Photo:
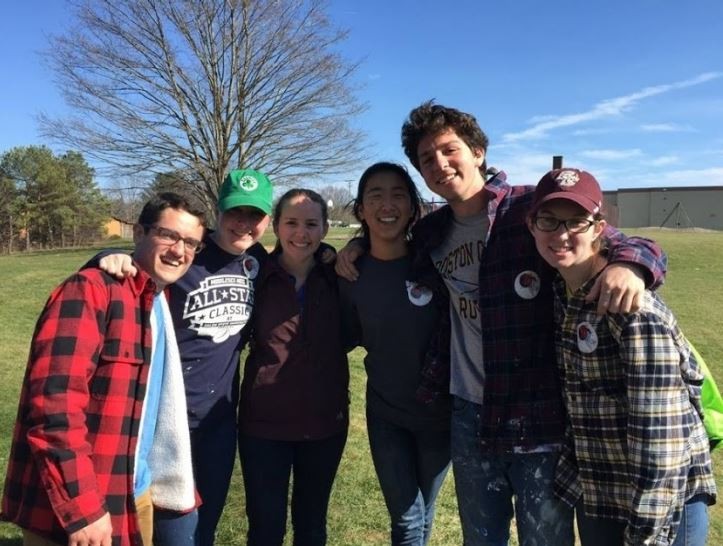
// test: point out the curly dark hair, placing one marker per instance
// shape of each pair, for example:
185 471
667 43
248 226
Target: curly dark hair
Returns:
431 119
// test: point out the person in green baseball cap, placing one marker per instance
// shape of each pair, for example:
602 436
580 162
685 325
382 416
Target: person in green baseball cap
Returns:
244 205
211 305
245 187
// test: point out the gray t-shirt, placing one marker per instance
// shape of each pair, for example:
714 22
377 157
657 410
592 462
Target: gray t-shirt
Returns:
458 260
393 319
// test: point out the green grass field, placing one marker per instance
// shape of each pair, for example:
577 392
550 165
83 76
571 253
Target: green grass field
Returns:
357 515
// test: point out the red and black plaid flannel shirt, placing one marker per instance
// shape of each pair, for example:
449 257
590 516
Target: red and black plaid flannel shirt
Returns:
74 442
523 407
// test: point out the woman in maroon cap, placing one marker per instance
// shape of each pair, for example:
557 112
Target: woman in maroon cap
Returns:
637 466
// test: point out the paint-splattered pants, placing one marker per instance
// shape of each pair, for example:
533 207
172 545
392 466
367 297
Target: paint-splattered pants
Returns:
488 486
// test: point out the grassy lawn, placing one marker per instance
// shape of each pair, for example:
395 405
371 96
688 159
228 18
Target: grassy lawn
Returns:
357 515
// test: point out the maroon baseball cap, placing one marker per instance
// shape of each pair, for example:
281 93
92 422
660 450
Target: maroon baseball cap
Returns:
573 185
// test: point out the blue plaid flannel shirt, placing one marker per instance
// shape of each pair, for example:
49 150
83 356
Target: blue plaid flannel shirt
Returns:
637 448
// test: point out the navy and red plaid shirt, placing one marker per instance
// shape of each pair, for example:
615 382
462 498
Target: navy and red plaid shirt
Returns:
74 443
637 449
523 407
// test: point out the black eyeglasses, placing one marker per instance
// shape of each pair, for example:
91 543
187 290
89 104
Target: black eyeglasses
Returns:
572 225
170 237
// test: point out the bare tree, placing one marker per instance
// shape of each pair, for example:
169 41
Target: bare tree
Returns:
125 198
203 86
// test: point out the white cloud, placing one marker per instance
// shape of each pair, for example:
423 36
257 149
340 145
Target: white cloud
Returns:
523 166
611 155
709 176
606 108
588 132
541 119
662 128
663 160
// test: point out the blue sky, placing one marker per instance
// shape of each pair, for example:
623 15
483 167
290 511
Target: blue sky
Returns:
630 90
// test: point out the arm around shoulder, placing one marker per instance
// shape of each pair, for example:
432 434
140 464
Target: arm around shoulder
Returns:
643 253
114 262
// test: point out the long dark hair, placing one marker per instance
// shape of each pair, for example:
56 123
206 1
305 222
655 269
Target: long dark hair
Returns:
403 174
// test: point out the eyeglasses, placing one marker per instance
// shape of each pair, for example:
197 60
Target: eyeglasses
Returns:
572 225
170 237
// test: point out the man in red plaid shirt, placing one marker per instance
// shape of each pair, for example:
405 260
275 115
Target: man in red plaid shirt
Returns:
70 476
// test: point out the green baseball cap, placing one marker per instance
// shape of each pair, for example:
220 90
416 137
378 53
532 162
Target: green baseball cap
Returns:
245 188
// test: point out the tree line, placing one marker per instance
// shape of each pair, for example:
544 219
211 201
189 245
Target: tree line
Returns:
126 202
48 200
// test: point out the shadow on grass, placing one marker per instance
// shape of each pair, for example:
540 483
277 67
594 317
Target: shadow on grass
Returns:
11 542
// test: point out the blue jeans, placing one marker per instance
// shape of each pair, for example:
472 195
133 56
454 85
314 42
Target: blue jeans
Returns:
487 484
693 529
174 529
267 467
411 466
213 448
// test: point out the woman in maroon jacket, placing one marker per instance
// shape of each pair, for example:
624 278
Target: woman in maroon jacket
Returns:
293 414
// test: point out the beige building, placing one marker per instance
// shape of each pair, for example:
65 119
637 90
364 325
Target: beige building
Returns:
685 207
119 228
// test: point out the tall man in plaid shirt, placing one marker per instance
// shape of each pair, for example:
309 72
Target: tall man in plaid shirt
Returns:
71 471
508 416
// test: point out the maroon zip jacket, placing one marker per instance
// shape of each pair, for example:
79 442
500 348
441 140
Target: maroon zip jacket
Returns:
296 380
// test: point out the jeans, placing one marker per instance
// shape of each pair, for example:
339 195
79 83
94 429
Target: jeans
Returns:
213 449
693 529
267 466
174 529
487 484
411 466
